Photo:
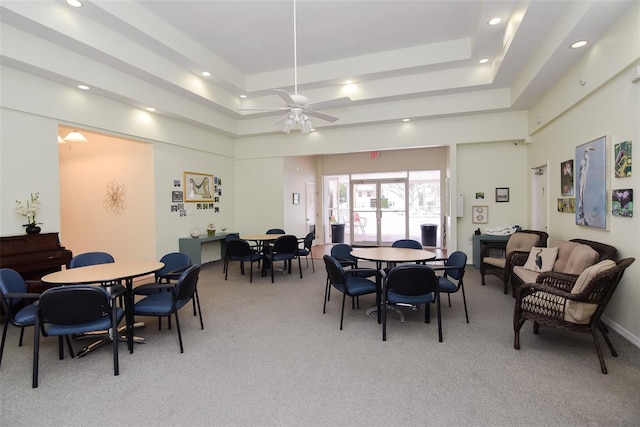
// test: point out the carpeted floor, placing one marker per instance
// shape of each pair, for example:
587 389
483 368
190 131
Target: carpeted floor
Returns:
269 357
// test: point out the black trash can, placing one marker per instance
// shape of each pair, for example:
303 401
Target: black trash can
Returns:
337 233
429 234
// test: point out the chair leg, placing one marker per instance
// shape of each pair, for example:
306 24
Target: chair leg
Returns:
603 367
21 335
60 347
299 267
36 349
114 328
179 334
326 295
604 331
69 346
516 333
4 336
449 297
439 318
344 296
384 320
464 300
197 300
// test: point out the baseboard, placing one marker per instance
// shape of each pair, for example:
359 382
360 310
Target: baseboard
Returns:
622 331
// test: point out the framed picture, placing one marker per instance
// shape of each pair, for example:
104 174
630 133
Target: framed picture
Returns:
176 196
296 198
566 178
479 196
502 194
480 214
623 159
567 205
198 187
591 183
622 202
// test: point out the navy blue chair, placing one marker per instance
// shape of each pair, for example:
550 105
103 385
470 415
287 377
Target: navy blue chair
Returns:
453 273
72 310
16 301
175 263
350 283
276 231
164 304
402 243
90 258
305 250
227 238
411 284
240 250
284 248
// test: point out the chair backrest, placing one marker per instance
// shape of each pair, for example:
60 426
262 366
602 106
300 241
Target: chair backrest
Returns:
238 248
335 271
90 258
73 304
308 240
406 243
522 241
285 244
412 280
186 285
458 260
342 252
604 251
275 231
174 261
11 282
231 236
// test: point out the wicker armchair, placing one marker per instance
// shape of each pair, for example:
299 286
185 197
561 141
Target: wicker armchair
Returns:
496 258
603 250
575 305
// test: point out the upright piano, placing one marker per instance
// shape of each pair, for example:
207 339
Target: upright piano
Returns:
33 255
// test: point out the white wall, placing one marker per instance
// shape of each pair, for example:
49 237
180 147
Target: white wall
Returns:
610 106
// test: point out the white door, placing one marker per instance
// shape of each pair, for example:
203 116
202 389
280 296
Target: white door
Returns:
539 198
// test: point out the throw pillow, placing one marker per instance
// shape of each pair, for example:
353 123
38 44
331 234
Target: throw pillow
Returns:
541 259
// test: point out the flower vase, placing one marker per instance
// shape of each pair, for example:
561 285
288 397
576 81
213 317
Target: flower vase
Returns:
32 229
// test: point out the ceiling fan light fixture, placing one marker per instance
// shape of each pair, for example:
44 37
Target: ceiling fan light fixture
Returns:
75 136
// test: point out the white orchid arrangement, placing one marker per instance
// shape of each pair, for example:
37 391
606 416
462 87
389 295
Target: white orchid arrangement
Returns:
30 210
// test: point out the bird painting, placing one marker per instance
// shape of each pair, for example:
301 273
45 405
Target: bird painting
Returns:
539 259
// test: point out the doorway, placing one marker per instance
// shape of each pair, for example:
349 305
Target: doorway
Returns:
379 211
539 198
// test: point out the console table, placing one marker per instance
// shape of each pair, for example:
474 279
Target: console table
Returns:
479 240
204 249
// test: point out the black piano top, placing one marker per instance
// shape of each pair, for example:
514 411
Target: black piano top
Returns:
33 255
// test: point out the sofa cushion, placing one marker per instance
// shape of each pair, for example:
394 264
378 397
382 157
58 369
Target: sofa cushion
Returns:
527 276
582 257
497 262
580 312
541 259
565 248
522 242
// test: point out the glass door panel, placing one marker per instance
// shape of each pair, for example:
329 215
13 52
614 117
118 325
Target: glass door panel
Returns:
379 211
393 209
364 229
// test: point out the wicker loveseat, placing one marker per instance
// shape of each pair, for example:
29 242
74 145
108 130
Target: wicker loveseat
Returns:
574 256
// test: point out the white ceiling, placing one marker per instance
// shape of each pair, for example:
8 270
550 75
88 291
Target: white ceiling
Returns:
402 56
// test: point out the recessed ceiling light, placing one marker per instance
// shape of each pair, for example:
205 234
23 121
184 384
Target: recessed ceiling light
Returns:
406 120
74 3
150 109
83 87
483 61
206 73
579 44
348 82
243 96
494 21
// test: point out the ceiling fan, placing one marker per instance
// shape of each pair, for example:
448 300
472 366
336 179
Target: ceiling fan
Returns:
298 106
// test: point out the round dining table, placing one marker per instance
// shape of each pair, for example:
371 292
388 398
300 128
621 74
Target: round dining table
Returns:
119 271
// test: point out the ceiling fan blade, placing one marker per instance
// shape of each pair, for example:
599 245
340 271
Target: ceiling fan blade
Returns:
319 115
282 119
286 97
264 109
331 103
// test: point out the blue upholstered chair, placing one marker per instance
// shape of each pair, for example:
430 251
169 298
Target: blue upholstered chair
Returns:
90 258
240 250
342 253
164 304
411 284
16 304
227 238
284 248
453 273
350 283
305 250
72 310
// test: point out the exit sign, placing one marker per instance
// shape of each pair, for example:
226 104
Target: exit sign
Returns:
374 154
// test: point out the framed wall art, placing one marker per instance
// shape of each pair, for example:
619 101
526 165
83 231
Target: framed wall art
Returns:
566 178
502 194
198 187
622 202
591 183
480 214
623 159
